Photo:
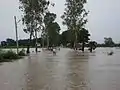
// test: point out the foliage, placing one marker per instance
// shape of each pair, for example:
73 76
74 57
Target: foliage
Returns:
83 36
3 43
75 16
53 33
34 10
10 41
33 13
108 41
1 54
22 43
52 29
67 37
22 53
10 55
92 45
49 18
7 56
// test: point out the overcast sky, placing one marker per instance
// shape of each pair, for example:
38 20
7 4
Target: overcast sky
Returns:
103 19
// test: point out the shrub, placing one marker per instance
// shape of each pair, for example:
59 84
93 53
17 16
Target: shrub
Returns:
1 55
10 55
22 53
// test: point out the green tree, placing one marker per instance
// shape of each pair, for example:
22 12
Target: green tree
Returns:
33 13
48 19
53 33
75 16
92 45
83 37
64 38
108 41
67 37
3 43
52 29
10 42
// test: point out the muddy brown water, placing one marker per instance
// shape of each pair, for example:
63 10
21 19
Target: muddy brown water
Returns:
68 70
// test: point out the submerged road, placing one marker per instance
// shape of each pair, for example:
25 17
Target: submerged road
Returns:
67 70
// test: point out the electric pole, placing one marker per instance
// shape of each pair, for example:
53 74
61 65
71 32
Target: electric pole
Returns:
16 34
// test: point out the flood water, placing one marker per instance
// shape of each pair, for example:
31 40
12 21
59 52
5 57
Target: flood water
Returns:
67 70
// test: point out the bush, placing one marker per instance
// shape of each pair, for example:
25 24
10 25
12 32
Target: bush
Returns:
22 53
1 55
10 55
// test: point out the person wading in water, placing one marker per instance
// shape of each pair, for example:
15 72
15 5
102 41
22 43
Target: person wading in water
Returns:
54 51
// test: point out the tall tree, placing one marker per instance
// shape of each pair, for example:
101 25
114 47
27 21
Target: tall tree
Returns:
75 16
10 42
53 33
83 37
67 37
33 13
3 43
52 29
92 45
108 41
48 19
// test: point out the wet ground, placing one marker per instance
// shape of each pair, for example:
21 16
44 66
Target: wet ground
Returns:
68 70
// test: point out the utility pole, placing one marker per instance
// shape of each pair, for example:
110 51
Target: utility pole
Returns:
36 43
43 42
16 34
47 39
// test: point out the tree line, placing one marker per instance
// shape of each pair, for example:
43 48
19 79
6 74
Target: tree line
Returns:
63 39
38 18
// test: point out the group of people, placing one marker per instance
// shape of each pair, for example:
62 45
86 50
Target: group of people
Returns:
53 49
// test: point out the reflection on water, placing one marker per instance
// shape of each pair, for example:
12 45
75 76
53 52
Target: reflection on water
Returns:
68 70
78 71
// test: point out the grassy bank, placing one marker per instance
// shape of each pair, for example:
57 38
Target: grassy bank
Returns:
9 56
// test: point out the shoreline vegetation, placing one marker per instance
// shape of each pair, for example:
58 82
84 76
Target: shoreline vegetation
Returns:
86 45
10 56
